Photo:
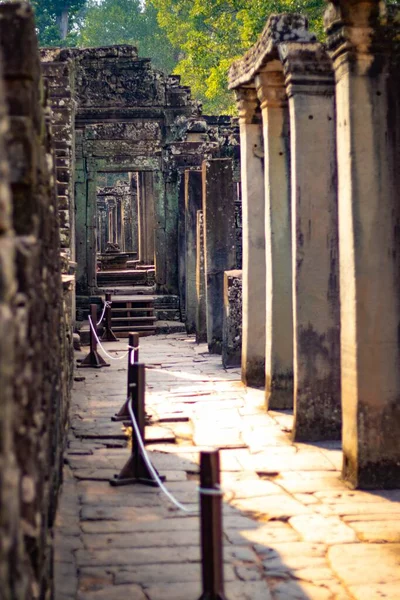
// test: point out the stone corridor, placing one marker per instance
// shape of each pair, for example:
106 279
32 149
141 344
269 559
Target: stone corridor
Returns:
292 529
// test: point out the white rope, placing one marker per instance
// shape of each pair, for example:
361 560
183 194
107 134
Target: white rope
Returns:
150 466
107 304
101 346
210 491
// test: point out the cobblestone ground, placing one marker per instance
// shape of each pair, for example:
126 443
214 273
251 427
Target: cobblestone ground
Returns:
292 529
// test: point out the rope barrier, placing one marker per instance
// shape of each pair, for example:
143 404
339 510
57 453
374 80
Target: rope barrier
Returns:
101 346
150 466
106 305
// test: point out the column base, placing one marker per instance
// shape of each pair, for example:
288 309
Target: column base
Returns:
253 372
317 418
279 392
382 475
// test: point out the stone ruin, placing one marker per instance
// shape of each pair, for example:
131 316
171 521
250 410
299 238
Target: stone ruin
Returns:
313 314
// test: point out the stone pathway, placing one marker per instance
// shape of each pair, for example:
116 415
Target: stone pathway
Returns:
292 529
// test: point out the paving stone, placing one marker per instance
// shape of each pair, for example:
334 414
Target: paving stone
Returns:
137 556
377 531
309 482
388 591
117 592
148 539
275 506
174 591
165 573
149 522
252 488
298 590
329 530
262 535
354 562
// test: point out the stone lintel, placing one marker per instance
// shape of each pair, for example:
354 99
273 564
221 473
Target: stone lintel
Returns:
279 28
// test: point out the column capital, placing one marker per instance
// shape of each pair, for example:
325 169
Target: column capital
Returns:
270 83
361 32
308 69
248 105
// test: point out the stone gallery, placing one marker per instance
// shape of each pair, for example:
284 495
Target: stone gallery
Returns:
272 239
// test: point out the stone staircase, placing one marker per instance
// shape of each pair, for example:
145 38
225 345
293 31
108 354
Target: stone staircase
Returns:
133 313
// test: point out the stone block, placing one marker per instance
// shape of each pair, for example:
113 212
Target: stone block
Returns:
232 321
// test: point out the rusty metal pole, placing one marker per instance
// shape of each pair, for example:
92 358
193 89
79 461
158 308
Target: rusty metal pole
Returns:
108 335
93 359
133 358
211 527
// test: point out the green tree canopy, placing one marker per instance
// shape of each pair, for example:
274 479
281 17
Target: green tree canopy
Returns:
56 21
127 22
210 34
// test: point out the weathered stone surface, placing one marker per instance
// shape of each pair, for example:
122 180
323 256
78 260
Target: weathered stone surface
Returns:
35 319
232 319
219 242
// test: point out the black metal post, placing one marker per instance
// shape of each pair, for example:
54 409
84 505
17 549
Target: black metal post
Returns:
211 527
93 359
136 470
133 358
108 335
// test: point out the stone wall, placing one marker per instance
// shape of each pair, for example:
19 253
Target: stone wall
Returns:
35 317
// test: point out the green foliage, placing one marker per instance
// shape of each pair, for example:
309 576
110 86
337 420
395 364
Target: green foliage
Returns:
210 34
48 14
127 22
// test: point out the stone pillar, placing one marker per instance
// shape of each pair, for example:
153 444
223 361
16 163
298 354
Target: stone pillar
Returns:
278 247
181 246
159 234
219 242
368 133
253 238
146 217
201 305
91 230
193 203
232 326
134 212
119 222
316 319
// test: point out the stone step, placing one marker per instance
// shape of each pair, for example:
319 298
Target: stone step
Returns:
133 319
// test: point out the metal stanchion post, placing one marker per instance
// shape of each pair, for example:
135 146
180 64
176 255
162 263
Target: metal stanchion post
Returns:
133 358
211 527
108 335
136 470
93 359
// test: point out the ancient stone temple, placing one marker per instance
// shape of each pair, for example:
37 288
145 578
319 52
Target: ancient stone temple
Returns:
268 244
320 281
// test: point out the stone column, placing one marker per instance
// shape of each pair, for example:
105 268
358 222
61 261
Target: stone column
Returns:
201 305
181 245
193 203
368 133
219 242
134 211
91 232
160 255
316 319
279 317
253 238
146 217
